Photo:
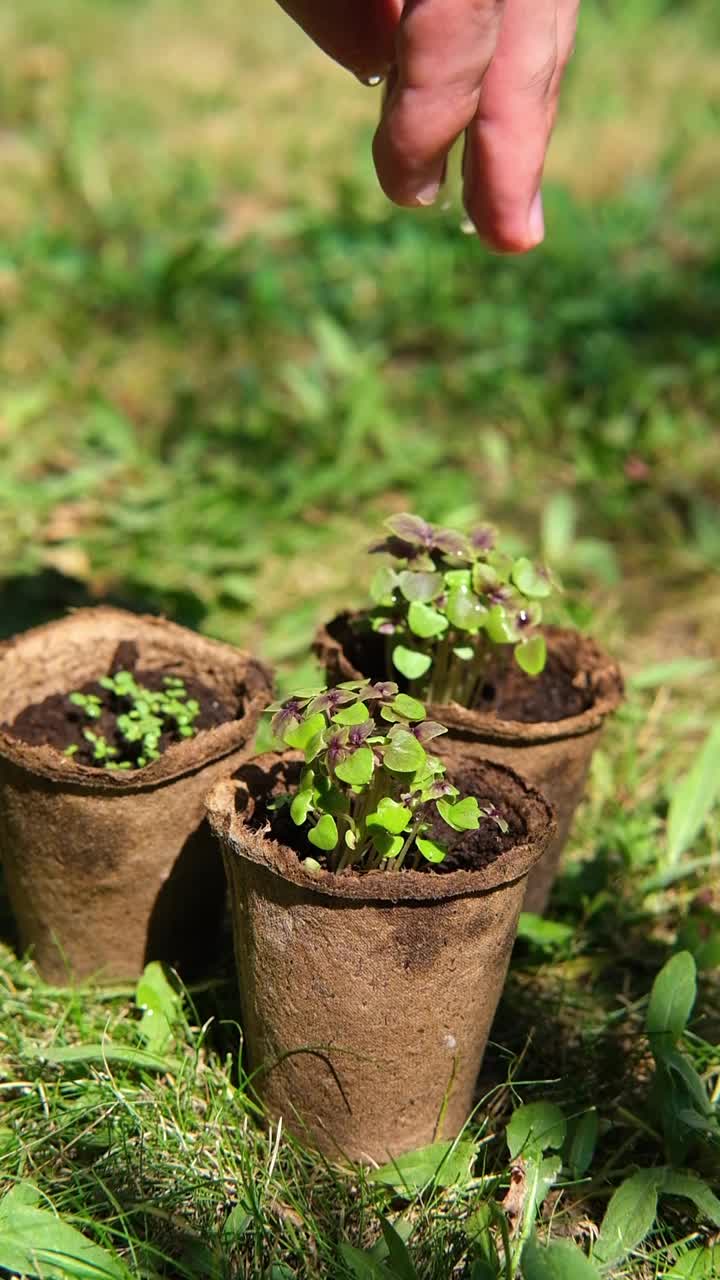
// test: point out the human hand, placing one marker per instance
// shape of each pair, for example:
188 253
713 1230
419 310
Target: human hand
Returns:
490 69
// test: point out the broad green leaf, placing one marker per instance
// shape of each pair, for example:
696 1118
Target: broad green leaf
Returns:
582 1140
695 1189
693 798
534 1127
561 1260
301 734
464 652
426 622
362 1265
398 1257
161 1006
671 1002
464 815
238 1221
300 807
547 934
443 1164
420 586
431 850
696 1264
410 708
387 846
355 714
99 1054
531 654
629 1217
463 609
479 1230
530 580
34 1241
500 627
382 586
403 753
410 663
390 815
324 835
357 769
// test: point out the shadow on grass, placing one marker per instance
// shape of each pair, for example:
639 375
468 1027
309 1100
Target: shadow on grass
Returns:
30 600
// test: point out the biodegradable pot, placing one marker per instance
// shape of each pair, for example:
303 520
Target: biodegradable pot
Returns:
108 870
554 755
367 999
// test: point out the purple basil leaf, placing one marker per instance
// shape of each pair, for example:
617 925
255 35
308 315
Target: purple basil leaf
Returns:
451 543
427 730
287 717
482 538
412 529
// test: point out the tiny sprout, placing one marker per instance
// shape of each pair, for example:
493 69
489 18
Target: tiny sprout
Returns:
142 716
451 604
371 796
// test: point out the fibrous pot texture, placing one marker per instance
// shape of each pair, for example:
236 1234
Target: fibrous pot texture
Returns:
107 870
554 755
367 999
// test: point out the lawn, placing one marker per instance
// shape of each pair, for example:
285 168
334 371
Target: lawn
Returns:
224 361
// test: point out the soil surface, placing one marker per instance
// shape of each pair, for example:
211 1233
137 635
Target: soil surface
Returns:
56 722
468 850
558 693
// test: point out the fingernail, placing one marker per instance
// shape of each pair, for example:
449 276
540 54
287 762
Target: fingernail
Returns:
428 194
536 220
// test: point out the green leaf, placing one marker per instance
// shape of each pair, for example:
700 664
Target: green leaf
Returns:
357 769
410 663
443 1164
671 1002
463 609
387 846
161 1007
426 622
355 714
547 934
420 587
629 1217
301 734
410 708
398 1257
431 850
500 627
479 1230
100 1054
34 1241
529 580
696 1264
382 586
464 815
693 798
464 652
361 1264
582 1140
300 807
695 1189
535 1127
561 1260
403 753
324 835
531 654
389 815
238 1221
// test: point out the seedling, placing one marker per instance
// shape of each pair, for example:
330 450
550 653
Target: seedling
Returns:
452 605
143 717
371 796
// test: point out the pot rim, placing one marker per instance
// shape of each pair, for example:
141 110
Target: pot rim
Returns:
473 724
181 758
242 842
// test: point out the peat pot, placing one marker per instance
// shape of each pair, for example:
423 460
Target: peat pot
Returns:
367 998
105 869
553 754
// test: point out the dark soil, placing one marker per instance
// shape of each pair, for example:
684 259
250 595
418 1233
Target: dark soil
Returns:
468 850
56 722
556 694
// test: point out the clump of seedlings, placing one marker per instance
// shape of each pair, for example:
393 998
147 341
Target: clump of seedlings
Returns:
451 606
143 717
371 796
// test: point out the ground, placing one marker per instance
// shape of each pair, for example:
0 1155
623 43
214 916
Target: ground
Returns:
224 360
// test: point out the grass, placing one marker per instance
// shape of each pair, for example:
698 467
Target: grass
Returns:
224 359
